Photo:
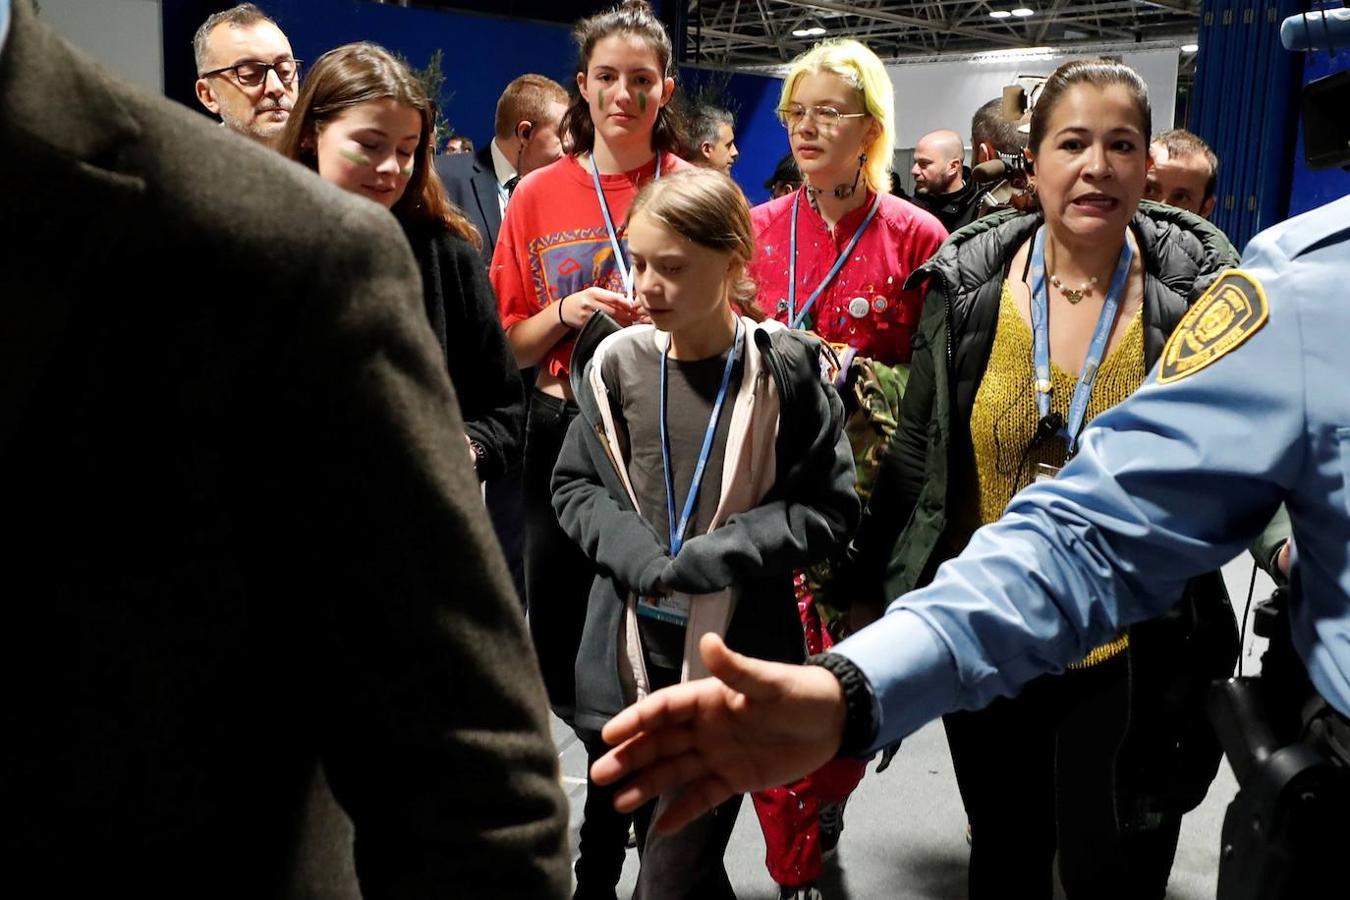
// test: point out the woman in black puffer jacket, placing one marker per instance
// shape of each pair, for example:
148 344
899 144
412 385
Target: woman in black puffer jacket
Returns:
1096 764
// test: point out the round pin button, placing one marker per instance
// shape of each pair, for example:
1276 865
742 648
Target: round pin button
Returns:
858 307
782 305
879 304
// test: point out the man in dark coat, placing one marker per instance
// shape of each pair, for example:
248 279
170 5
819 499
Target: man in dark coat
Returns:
942 182
525 138
244 537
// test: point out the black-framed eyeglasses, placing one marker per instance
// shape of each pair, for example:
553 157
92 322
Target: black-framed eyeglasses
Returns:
826 117
252 73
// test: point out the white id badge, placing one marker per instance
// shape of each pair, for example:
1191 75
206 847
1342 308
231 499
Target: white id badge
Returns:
671 608
1046 472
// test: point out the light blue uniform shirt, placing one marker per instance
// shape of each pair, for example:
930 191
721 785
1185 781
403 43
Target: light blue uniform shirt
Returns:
4 23
1171 483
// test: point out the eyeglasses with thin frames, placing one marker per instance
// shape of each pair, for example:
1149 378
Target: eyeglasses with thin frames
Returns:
827 118
253 73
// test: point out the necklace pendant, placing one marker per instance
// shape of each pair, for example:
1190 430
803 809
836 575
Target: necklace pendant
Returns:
1074 296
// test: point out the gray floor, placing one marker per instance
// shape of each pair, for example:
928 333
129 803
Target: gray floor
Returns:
904 833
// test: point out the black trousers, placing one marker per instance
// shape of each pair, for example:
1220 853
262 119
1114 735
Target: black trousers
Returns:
558 575
686 865
505 498
689 864
603 840
1035 773
506 507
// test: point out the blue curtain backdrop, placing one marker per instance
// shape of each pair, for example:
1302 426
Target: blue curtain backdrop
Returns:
1246 106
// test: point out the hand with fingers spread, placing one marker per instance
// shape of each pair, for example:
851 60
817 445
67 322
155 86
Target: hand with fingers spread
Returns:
753 725
575 310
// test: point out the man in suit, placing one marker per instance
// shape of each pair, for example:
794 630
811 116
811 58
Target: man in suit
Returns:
246 73
244 540
525 138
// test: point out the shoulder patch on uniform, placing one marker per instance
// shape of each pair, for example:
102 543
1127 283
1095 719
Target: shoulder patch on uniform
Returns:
1232 310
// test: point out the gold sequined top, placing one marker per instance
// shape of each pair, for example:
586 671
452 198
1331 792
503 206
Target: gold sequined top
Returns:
1003 420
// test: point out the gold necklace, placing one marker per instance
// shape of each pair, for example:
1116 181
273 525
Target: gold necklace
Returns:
1072 295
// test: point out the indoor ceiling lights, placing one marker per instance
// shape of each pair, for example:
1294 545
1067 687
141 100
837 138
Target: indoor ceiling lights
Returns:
1014 54
1020 12
809 28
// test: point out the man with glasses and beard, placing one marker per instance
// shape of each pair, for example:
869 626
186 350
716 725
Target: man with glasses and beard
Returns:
246 73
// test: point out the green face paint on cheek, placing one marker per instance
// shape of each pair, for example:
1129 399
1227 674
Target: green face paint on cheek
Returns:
407 171
642 103
602 98
354 157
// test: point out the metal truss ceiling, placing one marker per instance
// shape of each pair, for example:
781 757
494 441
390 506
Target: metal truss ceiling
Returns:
758 33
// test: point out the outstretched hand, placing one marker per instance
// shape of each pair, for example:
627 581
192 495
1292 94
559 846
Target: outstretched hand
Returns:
753 725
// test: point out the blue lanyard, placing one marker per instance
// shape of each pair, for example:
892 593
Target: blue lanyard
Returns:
614 242
677 530
795 318
1040 328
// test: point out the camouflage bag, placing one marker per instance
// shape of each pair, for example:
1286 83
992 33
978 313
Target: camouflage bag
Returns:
871 392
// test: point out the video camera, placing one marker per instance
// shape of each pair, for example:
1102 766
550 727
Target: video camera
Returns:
1013 167
1285 830
1326 127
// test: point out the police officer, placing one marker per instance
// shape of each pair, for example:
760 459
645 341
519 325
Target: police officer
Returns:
1248 407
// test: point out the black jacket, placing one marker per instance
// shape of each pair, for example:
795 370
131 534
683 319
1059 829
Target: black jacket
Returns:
920 511
471 181
954 209
462 311
806 515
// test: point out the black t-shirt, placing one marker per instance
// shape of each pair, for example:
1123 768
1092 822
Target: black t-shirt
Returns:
632 372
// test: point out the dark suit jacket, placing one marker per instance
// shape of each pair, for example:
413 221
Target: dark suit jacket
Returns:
472 183
242 537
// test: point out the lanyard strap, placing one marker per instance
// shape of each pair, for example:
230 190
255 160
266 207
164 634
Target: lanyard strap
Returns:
1040 328
677 530
619 260
795 318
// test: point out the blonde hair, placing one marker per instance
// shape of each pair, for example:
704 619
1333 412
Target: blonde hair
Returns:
860 68
706 207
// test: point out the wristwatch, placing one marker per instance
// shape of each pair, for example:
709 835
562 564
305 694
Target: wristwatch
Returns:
479 452
860 719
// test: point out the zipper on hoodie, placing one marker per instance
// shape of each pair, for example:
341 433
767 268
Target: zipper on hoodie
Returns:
609 453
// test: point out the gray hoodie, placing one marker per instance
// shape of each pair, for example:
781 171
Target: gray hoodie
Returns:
787 501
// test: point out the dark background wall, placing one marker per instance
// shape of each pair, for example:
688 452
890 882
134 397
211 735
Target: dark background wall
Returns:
481 54
759 135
